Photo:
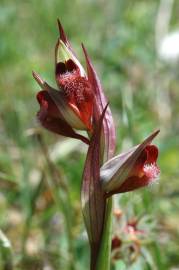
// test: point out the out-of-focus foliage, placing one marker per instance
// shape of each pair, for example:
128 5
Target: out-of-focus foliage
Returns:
40 207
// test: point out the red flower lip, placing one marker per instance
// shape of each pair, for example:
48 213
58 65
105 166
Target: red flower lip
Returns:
77 91
131 170
145 171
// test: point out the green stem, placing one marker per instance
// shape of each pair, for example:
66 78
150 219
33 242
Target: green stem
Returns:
104 256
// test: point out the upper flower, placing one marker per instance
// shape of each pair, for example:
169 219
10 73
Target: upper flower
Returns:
71 79
72 105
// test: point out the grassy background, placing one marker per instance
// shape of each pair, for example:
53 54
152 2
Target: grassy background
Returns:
42 220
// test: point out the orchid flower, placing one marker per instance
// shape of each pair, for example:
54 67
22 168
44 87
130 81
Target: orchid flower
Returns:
131 170
80 104
71 78
71 106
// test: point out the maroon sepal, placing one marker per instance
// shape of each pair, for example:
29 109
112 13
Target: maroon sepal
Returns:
51 118
92 195
100 103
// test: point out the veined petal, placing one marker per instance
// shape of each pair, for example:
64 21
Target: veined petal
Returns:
132 169
100 102
92 195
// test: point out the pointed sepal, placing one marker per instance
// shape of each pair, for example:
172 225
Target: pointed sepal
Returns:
109 136
63 35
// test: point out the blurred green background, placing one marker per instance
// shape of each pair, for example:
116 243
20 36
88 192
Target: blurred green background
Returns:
40 192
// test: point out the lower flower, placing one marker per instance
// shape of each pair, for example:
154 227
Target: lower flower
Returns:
131 170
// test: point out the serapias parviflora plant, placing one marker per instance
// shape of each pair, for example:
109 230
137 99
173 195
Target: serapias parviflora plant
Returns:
79 103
